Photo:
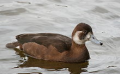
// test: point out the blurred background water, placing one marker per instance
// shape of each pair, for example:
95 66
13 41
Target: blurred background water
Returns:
60 16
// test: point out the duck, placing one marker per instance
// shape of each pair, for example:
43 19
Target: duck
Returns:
57 47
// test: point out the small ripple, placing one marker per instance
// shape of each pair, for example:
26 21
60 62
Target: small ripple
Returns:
13 12
100 10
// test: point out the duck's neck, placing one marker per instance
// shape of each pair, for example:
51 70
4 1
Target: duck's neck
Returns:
76 47
79 52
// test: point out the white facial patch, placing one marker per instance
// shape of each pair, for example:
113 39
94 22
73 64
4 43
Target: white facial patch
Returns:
88 36
77 40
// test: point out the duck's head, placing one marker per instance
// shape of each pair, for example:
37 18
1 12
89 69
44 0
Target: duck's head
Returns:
82 33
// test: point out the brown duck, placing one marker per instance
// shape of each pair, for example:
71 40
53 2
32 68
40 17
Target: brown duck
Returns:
56 47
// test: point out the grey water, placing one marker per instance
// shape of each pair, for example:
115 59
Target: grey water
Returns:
60 16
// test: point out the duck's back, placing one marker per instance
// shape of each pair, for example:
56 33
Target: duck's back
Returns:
60 42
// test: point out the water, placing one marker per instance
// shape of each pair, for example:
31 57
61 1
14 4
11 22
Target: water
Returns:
60 16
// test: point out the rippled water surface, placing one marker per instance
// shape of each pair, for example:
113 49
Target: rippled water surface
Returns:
60 16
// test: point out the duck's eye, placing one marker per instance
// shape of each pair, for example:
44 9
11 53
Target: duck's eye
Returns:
93 38
85 32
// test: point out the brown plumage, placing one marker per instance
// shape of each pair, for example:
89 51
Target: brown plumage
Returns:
56 47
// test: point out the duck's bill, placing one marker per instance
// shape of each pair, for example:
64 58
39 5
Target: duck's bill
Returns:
95 40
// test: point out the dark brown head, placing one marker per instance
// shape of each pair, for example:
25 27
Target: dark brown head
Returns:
82 33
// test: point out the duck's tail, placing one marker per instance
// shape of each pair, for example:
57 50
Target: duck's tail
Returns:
12 45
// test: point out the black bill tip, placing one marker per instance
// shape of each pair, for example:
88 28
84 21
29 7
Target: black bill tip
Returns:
101 43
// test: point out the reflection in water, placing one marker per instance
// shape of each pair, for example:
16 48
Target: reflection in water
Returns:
73 68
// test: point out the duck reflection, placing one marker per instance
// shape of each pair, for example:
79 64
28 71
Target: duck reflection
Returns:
73 68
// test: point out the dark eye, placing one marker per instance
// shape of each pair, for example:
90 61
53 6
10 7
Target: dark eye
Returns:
93 38
85 32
